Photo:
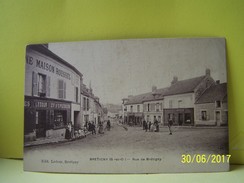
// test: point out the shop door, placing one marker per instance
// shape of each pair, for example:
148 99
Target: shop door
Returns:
40 123
180 119
217 115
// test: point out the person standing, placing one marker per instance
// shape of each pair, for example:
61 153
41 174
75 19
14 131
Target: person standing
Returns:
144 123
146 126
170 123
108 125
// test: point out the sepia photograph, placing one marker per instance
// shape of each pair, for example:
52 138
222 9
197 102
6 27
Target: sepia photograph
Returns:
126 106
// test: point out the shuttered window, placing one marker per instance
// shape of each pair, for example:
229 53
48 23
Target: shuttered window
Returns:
61 89
48 86
34 84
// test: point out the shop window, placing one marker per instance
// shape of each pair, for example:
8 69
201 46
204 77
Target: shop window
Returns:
61 89
60 118
218 104
204 115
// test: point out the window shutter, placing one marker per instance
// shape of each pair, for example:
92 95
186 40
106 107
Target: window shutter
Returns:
48 86
64 90
60 89
34 84
75 94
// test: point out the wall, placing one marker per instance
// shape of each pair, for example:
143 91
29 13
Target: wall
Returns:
71 83
187 101
211 115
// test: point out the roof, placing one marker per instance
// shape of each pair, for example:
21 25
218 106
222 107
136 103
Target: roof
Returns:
214 93
184 86
138 99
44 50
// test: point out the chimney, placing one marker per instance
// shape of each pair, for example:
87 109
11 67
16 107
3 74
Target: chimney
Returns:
175 79
208 73
217 82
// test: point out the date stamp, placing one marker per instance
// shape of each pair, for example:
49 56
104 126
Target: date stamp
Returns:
203 158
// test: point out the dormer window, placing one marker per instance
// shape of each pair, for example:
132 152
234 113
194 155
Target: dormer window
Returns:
218 104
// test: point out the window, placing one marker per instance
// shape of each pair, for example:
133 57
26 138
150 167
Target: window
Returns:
131 108
138 108
61 89
161 106
157 107
40 85
218 104
125 109
87 104
204 115
60 118
148 107
179 103
76 94
170 103
84 103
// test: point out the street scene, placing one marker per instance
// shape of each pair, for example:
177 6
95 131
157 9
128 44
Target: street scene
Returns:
136 140
94 106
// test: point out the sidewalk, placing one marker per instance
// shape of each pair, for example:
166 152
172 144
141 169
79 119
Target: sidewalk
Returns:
43 141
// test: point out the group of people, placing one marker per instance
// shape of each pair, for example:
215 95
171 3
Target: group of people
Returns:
90 126
71 133
154 127
151 127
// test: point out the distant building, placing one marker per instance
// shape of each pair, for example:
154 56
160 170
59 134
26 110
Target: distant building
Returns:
133 110
180 98
52 99
211 107
181 102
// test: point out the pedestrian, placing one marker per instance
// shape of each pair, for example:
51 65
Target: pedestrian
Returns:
89 126
108 125
146 126
144 123
149 126
93 128
170 123
156 126
68 131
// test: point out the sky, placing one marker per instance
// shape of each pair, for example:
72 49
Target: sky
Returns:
118 68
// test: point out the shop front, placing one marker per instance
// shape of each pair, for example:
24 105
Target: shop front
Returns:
180 116
45 118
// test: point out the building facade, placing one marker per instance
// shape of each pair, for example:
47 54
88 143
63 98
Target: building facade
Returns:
177 102
52 94
211 107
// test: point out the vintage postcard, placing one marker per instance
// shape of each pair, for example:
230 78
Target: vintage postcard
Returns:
126 106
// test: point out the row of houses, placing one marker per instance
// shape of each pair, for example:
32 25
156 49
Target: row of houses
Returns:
55 95
191 102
